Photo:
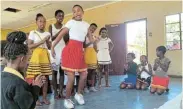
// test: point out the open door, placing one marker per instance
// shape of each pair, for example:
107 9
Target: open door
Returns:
117 34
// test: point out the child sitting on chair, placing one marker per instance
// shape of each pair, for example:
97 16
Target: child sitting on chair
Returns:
131 71
144 74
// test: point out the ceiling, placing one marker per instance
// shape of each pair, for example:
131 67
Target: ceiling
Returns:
29 9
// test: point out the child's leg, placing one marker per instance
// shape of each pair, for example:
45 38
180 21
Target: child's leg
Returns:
45 91
93 78
144 86
89 78
54 83
106 69
61 83
82 80
153 90
129 86
160 91
100 75
70 82
138 85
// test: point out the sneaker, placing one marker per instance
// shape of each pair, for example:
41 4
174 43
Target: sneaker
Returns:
79 98
68 104
93 89
86 90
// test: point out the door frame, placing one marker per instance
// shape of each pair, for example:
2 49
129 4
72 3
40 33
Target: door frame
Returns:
146 31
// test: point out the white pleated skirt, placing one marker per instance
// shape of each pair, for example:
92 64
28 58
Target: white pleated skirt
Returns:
104 57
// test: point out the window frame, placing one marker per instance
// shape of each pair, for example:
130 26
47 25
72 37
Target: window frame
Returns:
180 30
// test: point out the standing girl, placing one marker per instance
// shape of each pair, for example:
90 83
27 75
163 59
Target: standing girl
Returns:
40 61
160 79
144 74
54 30
131 71
103 54
73 54
91 60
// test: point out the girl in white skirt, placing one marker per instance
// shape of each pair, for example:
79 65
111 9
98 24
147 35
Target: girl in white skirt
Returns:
103 56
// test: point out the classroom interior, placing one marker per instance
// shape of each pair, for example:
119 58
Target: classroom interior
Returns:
133 26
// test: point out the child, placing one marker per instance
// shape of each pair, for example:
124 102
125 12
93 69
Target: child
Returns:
54 30
73 54
40 61
144 74
75 86
103 54
160 79
16 93
131 71
91 60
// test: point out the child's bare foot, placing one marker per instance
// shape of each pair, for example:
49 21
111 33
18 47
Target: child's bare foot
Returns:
99 86
38 103
62 96
47 102
56 96
107 85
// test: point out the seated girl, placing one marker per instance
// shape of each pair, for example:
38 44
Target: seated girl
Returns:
131 71
144 74
160 79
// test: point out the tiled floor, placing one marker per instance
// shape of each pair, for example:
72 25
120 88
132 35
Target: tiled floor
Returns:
114 98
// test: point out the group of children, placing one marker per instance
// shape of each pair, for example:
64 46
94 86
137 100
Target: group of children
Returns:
72 48
143 75
66 50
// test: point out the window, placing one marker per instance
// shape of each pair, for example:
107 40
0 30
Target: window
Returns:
174 31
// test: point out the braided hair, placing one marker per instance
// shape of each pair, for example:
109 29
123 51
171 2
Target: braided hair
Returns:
15 45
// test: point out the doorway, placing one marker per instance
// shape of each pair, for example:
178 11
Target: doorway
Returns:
136 34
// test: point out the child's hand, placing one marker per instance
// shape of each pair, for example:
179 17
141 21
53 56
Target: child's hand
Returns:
126 66
39 81
143 69
157 61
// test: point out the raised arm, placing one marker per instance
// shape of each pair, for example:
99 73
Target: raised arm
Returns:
55 36
62 33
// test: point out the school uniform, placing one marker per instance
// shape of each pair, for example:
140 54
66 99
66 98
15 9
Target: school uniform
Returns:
16 93
73 53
